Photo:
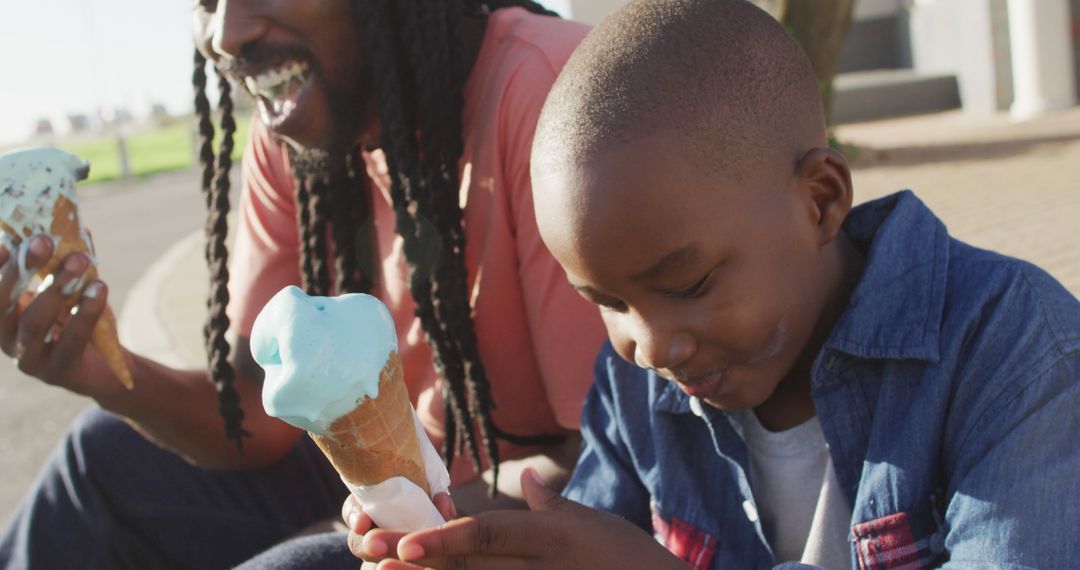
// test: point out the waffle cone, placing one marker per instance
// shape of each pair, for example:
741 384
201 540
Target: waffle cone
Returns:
67 233
377 440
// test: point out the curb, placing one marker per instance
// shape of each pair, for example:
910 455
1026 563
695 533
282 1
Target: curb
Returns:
141 324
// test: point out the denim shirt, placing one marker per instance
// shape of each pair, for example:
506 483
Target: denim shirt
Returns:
949 395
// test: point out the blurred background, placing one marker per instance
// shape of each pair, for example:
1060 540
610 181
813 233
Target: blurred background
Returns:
970 103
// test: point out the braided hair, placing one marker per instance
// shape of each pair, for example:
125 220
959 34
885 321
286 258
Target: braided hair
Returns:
415 56
215 186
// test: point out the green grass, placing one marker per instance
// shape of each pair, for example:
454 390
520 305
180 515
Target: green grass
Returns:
160 149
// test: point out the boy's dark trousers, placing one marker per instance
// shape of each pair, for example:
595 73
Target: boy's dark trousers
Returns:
108 498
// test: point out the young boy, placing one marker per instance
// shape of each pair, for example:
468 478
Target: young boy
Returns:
787 378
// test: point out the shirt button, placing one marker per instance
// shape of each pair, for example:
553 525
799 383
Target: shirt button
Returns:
695 406
751 510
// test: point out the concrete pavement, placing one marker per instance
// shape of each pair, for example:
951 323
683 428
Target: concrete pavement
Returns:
164 312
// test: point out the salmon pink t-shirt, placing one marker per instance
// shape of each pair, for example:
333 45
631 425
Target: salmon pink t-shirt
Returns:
537 338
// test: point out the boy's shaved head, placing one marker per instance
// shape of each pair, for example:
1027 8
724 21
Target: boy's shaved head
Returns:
681 178
722 75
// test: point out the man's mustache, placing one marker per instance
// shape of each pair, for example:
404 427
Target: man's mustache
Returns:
256 57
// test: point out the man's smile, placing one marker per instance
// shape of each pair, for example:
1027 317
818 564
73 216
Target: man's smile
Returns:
277 81
278 89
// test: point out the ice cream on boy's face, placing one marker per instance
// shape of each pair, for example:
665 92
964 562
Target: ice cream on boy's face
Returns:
322 355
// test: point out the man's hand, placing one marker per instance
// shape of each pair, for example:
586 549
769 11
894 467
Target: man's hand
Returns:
46 341
554 533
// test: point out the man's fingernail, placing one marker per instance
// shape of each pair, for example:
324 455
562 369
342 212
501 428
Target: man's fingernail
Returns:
73 263
410 551
38 246
350 519
92 291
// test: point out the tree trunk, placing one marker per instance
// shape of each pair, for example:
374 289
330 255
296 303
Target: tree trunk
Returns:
820 27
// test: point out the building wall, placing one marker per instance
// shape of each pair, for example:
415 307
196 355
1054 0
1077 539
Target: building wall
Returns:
1001 53
593 11
969 39
1076 42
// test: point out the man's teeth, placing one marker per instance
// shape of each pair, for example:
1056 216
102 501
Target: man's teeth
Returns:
272 83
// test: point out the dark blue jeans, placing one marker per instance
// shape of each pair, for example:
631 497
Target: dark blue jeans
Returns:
108 498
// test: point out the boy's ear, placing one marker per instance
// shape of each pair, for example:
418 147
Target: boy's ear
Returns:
826 176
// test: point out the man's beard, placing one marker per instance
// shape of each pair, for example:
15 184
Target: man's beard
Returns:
352 111
324 161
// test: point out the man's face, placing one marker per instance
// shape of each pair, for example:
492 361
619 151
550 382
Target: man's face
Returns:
302 60
715 285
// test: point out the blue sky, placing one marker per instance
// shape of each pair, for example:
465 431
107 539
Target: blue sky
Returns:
75 56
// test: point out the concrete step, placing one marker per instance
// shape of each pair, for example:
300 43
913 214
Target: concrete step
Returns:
876 43
880 93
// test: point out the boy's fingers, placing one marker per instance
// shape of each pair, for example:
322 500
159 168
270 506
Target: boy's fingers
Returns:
398 565
376 544
475 562
507 533
78 329
373 544
367 548
538 495
355 518
445 505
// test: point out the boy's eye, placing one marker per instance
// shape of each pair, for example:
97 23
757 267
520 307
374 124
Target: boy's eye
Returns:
692 290
605 302
206 5
617 306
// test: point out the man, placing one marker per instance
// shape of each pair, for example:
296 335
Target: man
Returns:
420 92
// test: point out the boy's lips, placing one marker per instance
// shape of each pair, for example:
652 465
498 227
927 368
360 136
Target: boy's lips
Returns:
700 385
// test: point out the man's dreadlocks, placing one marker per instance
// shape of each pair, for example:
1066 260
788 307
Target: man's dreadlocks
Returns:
420 73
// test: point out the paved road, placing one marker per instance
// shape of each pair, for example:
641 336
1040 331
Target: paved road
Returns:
133 224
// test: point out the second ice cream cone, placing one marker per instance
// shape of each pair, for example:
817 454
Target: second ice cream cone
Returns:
39 198
69 238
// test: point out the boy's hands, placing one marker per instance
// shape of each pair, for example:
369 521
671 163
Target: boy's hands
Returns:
554 533
46 341
379 545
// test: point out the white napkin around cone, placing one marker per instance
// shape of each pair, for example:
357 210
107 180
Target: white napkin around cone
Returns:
397 503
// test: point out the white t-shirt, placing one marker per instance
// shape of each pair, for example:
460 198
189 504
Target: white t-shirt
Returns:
803 511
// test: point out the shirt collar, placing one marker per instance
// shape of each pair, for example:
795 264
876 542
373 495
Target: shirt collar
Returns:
896 309
669 398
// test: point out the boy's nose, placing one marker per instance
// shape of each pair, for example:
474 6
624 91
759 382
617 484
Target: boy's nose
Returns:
658 349
234 25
